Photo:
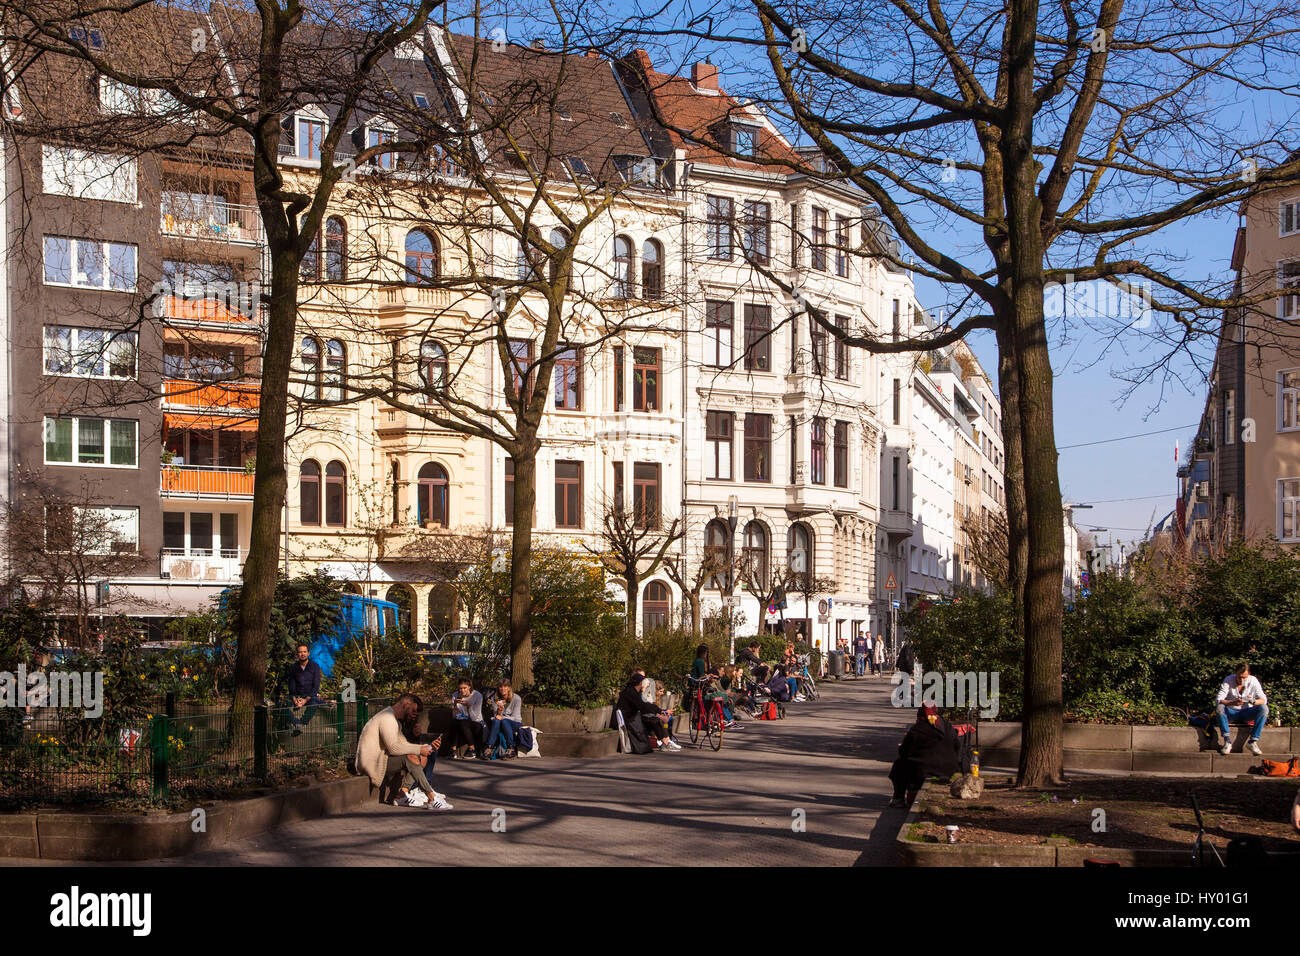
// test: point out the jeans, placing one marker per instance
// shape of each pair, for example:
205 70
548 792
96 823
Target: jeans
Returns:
1257 715
793 684
508 731
313 703
861 664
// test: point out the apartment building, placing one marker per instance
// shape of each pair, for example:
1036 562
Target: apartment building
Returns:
714 400
1240 475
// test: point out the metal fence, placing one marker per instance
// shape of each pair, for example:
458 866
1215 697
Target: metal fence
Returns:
180 747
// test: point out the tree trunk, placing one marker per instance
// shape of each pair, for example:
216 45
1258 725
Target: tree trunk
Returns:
521 558
1013 471
1041 755
269 488
697 622
633 584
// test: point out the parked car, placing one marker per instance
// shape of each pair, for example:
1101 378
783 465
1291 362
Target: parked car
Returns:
457 649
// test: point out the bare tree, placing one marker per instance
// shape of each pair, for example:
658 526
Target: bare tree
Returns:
633 546
714 565
987 546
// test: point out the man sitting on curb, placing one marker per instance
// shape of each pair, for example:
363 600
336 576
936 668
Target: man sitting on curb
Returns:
382 748
1241 700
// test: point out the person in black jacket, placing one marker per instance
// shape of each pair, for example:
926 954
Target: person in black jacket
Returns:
642 719
930 748
303 682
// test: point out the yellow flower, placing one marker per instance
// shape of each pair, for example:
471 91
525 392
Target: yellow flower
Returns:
173 668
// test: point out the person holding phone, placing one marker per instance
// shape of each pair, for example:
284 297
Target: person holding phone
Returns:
1241 700
507 722
468 729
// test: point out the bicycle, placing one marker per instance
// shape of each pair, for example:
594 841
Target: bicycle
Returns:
705 716
807 685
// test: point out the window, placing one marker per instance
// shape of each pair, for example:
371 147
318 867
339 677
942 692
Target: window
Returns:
796 258
841 349
201 533
619 501
115 97
645 494
716 538
421 258
90 264
309 493
92 530
757 232
378 136
755 553
794 450
310 134
1229 417
568 494
819 350
799 553
841 246
841 454
432 504
107 442
433 368
897 486
578 166
718 333
620 401
509 493
420 100
90 353
758 338
1289 400
521 368
819 229
744 140
657 606
310 356
718 211
897 319
758 447
336 494
624 285
82 174
559 239
1288 277
898 402
90 37
652 270
1288 492
819 451
645 380
718 436
568 379
1288 219
335 373
336 250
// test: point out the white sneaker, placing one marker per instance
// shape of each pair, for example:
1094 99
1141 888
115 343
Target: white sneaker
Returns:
671 746
439 802
1226 748
1253 747
800 699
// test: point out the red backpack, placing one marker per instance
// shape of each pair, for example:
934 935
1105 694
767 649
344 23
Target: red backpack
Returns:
1282 768
769 711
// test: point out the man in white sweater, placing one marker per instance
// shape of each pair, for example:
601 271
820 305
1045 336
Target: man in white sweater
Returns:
382 748
1241 700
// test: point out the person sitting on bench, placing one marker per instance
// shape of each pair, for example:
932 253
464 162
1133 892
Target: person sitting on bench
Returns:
1241 700
468 729
930 748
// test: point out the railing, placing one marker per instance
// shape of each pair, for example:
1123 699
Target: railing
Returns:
204 481
211 564
209 310
406 296
210 219
223 396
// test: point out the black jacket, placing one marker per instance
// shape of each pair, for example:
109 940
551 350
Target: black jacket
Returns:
631 703
934 748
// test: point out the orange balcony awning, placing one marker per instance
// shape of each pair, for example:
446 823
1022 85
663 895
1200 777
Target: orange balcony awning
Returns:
209 422
227 396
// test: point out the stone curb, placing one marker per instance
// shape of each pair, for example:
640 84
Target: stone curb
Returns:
53 835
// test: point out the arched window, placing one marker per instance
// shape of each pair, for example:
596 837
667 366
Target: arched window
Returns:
755 554
335 374
652 269
310 354
404 598
442 611
799 553
559 239
433 367
336 494
432 503
656 606
336 250
421 258
309 492
623 280
716 536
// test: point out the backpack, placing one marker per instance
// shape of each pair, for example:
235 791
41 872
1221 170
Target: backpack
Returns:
768 711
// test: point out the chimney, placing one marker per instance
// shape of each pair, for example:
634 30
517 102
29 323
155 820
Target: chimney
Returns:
643 60
704 76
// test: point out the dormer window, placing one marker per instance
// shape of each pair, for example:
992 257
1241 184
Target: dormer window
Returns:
378 134
563 113
408 50
637 170
486 98
92 38
308 133
579 167
421 101
737 138
617 119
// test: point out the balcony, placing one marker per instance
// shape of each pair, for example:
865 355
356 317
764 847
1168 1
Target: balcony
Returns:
213 313
210 218
415 297
212 564
226 397
206 481
896 522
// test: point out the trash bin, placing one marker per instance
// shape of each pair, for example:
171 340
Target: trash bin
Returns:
837 664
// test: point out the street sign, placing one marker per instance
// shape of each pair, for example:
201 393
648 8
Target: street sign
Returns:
1085 592
728 600
823 606
896 604
823 619
891 584
1085 578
